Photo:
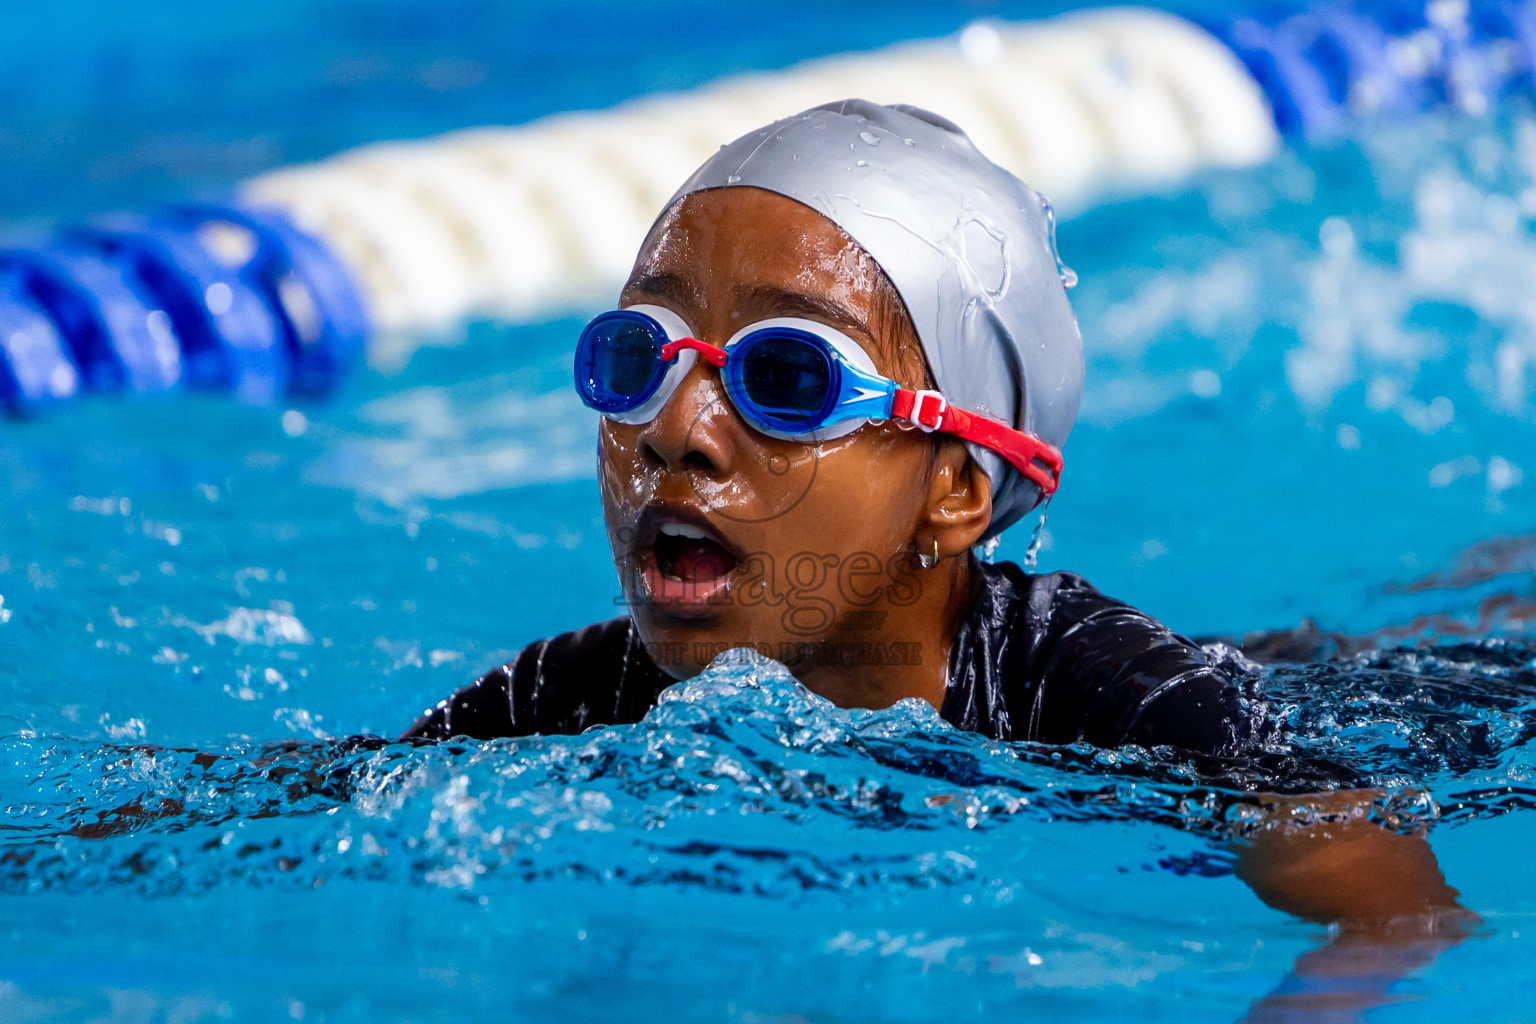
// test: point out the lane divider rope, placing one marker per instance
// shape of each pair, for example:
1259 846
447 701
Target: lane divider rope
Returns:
280 290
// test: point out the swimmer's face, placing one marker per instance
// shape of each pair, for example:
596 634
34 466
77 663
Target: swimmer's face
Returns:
725 537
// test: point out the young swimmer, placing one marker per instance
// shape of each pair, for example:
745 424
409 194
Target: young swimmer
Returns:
844 358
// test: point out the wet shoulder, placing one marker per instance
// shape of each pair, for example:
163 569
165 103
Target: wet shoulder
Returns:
1052 658
598 675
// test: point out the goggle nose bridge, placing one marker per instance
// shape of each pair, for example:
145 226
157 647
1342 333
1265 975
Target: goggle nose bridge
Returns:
713 354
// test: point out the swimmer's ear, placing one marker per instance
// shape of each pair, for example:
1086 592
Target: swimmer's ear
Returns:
959 502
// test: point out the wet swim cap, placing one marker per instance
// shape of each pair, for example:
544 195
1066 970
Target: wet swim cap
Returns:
969 247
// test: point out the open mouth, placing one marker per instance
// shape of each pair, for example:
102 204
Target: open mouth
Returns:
689 555
686 567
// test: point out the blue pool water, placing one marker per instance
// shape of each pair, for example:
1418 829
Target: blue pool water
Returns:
1309 400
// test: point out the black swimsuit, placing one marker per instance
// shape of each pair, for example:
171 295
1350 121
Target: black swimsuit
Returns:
1044 658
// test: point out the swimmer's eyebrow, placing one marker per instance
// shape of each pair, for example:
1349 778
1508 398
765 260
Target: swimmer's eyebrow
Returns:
672 289
770 300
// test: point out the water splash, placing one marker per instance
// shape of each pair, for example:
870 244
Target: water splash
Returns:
742 781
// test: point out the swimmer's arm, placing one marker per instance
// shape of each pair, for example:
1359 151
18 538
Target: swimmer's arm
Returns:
1320 858
1383 892
290 777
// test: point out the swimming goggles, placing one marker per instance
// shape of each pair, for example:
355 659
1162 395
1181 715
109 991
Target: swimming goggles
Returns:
793 379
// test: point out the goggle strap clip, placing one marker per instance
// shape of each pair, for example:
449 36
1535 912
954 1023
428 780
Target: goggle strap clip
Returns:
924 410
1040 463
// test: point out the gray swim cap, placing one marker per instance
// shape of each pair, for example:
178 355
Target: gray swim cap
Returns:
969 247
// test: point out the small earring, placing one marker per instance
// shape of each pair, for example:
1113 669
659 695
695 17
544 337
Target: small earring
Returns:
928 561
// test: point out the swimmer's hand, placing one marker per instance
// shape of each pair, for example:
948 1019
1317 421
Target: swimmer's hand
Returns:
1321 858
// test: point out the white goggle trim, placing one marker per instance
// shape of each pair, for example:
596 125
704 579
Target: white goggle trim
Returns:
674 327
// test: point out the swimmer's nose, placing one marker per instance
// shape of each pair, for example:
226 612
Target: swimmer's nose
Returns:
692 430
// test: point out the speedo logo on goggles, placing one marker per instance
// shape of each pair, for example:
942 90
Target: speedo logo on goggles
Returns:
794 379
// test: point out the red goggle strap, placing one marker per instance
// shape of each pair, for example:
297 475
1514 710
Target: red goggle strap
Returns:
713 353
1039 462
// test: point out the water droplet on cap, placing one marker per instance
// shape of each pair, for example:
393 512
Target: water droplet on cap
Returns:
870 137
732 179
1068 275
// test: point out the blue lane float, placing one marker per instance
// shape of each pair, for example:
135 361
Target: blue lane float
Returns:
324 320
239 298
229 339
35 367
208 297
117 334
1327 66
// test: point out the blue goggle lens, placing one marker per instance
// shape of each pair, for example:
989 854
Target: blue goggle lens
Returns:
618 363
785 380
